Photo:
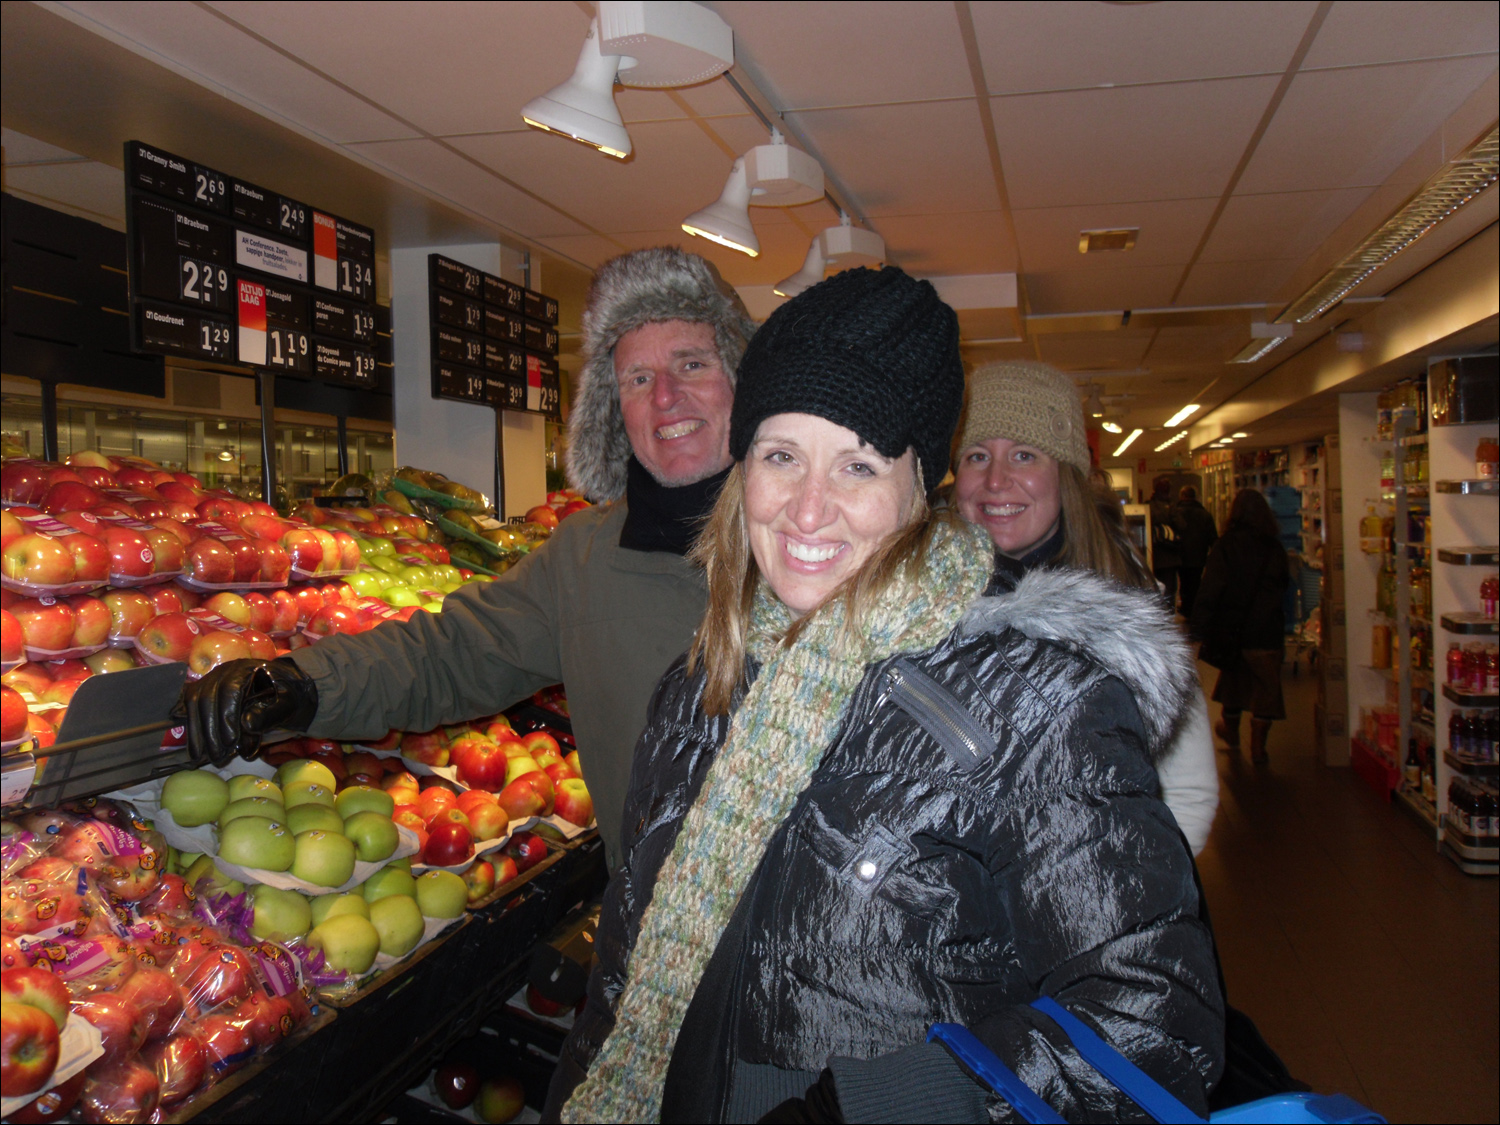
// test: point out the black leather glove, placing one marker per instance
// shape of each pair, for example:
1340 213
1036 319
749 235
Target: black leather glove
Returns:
228 710
819 1106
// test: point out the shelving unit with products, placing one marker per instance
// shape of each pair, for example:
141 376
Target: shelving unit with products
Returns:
1262 468
1332 712
1217 469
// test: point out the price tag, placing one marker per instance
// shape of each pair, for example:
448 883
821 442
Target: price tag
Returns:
288 349
540 307
19 771
508 393
253 205
451 381
179 332
286 308
505 360
344 363
542 388
456 277
203 283
504 295
348 322
540 337
504 326
458 312
458 347
354 241
356 278
252 323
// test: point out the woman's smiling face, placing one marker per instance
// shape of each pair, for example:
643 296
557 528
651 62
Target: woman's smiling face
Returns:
1009 489
818 502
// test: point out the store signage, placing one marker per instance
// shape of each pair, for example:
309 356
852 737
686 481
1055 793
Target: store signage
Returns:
292 287
492 341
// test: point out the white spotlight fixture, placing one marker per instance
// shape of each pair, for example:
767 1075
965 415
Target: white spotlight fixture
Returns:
1124 445
1173 440
843 246
1182 414
583 107
1112 427
1095 404
727 219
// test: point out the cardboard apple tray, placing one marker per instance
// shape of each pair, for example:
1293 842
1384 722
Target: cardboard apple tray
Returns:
146 798
79 1045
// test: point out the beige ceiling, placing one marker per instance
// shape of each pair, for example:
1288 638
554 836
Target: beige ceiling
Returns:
1253 144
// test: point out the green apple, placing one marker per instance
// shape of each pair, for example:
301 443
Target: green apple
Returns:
330 906
206 879
390 880
186 860
279 915
374 835
449 587
251 806
441 894
434 605
348 942
364 798
304 818
387 563
400 596
365 583
249 785
376 546
402 864
447 572
258 841
325 859
307 793
416 576
398 921
305 769
194 797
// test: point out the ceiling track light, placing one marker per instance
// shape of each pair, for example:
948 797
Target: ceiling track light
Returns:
1182 415
727 219
1458 183
770 175
1173 440
583 108
1126 444
843 246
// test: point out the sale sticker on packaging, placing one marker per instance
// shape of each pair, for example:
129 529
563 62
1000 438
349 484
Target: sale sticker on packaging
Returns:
252 349
325 251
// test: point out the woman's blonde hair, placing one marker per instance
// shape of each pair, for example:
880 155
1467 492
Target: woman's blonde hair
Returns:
1094 534
723 550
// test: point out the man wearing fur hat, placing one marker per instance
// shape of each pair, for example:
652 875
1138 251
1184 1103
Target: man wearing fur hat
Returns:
604 608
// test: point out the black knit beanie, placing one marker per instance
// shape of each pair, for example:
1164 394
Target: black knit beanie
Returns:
874 351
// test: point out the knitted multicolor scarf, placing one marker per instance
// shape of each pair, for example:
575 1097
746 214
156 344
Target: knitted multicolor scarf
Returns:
789 717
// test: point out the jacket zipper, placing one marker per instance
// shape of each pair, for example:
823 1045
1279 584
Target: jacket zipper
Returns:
942 716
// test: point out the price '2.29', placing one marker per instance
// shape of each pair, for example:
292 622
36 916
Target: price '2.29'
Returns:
203 283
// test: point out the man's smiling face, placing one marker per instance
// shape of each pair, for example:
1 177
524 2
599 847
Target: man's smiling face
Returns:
675 398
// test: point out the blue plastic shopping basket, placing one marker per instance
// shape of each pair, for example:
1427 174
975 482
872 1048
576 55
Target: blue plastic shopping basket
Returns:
1133 1082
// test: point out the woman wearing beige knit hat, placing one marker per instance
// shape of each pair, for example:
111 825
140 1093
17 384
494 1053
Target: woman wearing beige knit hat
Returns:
1022 473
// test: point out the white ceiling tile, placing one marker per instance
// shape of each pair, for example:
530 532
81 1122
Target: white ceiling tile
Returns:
447 67
1085 351
673 171
220 55
1128 144
451 177
714 98
1360 32
1170 231
591 249
1237 283
1293 223
646 105
1051 46
1120 287
1195 346
906 159
950 244
837 54
84 187
1352 128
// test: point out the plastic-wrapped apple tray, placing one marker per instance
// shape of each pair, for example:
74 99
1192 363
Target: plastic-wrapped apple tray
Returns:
78 1046
441 499
146 798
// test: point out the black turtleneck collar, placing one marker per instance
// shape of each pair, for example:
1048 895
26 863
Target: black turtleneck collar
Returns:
1009 571
659 518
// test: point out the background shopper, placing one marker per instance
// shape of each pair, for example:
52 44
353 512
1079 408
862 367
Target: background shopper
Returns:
605 608
1239 618
1022 474
1197 535
1166 553
851 818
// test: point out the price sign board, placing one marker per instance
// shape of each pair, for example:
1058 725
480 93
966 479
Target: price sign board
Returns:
492 341
224 269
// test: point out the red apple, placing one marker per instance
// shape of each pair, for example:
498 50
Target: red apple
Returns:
214 647
211 562
335 619
91 621
130 553
573 803
47 627
40 560
23 481
136 479
559 772
501 1098
38 988
448 844
483 764
531 794
175 521
28 1048
304 548
129 611
172 896
227 1045
230 606
54 1105
46 734
428 747
90 556
170 636
169 599
275 563
11 527
122 1090
222 975
31 676
12 640
331 554
449 815
121 1024
221 509
480 879
179 493
527 849
180 1065
168 551
488 821
309 602
157 996
70 496
505 869
409 816
70 669
539 744
267 1019
246 554
286 611
434 799
571 757
260 526
349 558
13 714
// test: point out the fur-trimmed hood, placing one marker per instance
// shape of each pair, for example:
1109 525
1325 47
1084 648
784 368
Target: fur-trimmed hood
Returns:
1126 631
642 287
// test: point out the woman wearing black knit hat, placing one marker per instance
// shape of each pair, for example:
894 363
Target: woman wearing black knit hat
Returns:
873 803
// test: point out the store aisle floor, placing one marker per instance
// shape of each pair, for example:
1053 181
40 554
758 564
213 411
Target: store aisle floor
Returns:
1367 960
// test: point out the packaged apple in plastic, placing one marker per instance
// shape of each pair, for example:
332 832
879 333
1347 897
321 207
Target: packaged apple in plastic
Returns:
54 628
222 558
51 557
317 552
140 553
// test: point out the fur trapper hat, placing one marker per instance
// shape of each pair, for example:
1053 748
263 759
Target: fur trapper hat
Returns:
642 287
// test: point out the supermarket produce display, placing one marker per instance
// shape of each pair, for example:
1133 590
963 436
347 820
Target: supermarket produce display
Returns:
200 923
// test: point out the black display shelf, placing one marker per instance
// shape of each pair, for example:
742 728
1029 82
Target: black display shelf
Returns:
1471 767
1480 486
1469 556
1470 699
1473 624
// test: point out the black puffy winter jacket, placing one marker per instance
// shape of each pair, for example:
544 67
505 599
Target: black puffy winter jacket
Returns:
983 830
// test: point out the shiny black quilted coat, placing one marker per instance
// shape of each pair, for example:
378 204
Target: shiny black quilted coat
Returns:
983 831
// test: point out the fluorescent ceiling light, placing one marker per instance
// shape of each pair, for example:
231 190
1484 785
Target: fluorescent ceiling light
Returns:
1461 180
1173 440
1177 418
1124 445
727 219
583 107
1107 241
1112 427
